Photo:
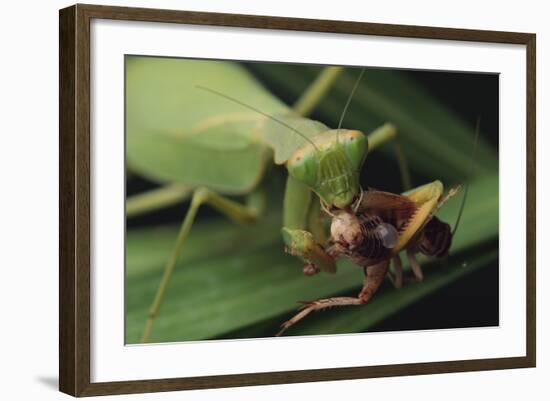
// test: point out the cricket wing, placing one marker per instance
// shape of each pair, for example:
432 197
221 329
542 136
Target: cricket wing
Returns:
375 200
408 213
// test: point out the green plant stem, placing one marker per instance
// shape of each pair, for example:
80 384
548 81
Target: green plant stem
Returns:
156 199
316 91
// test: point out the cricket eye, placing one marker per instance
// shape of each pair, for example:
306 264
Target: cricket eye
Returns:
387 234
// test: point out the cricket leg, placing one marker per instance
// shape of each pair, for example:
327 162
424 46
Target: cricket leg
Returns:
237 212
415 266
384 134
374 275
397 277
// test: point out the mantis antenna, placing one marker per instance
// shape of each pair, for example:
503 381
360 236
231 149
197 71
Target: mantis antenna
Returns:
258 111
461 209
348 102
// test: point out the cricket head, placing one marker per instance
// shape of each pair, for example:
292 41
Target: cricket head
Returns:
330 165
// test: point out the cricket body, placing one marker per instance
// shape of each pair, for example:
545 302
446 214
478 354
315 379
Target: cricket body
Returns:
234 139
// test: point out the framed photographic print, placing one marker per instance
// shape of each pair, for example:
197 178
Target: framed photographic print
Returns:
251 200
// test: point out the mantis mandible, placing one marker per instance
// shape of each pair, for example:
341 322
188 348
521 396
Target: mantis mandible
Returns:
212 145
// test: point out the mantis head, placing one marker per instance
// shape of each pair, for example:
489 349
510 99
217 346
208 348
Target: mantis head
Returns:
330 165
331 162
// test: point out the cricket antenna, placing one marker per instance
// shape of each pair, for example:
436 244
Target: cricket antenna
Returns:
258 111
467 185
348 102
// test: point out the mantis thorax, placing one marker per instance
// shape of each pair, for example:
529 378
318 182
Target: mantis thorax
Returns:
330 166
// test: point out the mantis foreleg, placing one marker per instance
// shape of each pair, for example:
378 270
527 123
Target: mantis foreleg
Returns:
302 233
235 211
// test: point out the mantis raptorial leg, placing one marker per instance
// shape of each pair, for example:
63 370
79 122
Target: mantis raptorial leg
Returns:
302 235
237 212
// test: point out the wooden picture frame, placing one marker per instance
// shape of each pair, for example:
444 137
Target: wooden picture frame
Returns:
74 206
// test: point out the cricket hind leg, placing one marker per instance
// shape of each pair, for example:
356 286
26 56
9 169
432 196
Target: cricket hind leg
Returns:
237 212
374 275
397 276
415 266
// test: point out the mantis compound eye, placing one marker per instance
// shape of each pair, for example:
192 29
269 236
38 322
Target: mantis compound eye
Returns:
387 234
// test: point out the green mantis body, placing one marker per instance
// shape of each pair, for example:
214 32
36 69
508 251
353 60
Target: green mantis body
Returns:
212 147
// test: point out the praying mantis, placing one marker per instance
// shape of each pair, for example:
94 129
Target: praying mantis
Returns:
212 145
